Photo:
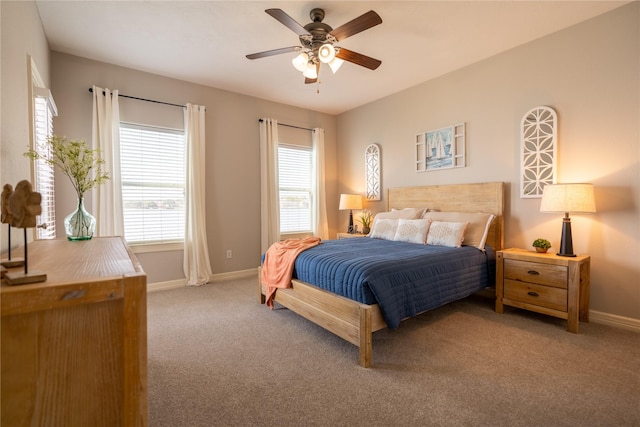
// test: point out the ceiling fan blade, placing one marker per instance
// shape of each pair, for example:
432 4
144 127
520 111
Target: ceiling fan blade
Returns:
357 25
358 58
287 21
274 52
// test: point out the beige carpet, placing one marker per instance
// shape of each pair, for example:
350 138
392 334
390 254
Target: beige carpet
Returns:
218 358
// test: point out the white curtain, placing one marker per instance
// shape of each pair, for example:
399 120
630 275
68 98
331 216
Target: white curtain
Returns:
320 226
269 190
107 198
196 265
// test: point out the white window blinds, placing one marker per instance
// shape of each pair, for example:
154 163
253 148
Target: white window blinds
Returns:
153 175
44 111
294 169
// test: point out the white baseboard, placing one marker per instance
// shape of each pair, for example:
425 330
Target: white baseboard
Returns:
163 286
235 275
627 323
180 283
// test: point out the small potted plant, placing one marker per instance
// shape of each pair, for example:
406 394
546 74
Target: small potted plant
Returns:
365 219
541 245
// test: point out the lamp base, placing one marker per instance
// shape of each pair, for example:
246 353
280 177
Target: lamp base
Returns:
566 241
568 255
350 229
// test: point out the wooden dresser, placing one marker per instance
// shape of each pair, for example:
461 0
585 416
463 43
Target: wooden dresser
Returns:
74 348
545 283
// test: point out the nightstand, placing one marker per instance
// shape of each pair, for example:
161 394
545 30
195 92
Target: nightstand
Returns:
545 283
350 235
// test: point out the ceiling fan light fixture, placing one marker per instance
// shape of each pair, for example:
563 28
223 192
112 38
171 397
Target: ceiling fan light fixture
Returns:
335 64
310 72
326 53
319 43
300 62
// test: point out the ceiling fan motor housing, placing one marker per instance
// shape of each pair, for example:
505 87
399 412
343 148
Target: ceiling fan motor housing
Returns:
319 34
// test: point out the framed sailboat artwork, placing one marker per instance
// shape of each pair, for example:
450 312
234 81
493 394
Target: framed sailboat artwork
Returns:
442 148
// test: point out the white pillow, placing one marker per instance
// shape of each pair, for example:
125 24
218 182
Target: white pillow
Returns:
403 213
384 229
409 213
412 230
443 233
476 233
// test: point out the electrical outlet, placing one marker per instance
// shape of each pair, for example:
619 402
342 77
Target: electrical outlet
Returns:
229 254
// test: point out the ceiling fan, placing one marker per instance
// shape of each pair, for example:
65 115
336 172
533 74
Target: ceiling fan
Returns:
319 41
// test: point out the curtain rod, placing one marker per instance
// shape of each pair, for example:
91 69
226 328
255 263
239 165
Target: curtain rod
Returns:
291 126
144 99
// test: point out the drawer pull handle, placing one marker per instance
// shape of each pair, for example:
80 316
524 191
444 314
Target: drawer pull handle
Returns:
533 294
535 273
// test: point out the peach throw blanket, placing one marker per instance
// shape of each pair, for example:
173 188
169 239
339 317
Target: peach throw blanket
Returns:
278 263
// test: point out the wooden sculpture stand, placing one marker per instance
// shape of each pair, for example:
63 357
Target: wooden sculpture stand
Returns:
19 209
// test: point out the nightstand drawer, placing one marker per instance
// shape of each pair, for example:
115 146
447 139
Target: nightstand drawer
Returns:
534 272
540 295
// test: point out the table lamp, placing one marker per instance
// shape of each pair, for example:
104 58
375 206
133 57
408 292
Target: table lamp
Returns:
567 198
350 202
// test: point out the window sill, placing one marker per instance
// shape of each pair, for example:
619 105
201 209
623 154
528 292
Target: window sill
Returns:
141 248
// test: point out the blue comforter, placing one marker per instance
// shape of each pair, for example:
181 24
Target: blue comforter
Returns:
404 279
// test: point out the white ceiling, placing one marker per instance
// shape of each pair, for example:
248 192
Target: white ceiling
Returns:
205 42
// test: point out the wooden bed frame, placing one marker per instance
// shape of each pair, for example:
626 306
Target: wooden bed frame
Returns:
356 322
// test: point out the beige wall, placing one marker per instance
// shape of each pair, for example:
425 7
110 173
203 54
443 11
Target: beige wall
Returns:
590 75
21 36
233 170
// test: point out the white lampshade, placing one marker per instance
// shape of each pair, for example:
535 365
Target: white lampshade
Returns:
350 201
568 198
336 64
326 53
300 62
310 72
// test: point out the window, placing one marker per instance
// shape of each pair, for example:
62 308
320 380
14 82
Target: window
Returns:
41 112
153 176
296 193
44 110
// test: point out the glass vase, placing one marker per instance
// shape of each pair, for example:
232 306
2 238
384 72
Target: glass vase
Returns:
80 224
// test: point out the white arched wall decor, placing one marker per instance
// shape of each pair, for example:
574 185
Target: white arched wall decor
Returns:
372 170
538 147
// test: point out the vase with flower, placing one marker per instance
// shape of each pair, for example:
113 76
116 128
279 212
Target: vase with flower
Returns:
83 166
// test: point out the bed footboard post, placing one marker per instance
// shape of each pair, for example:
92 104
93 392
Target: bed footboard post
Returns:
261 297
366 331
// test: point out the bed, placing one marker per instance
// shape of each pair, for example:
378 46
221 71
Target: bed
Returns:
355 321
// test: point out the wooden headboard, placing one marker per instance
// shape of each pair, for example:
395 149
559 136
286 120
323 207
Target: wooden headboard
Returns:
485 197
